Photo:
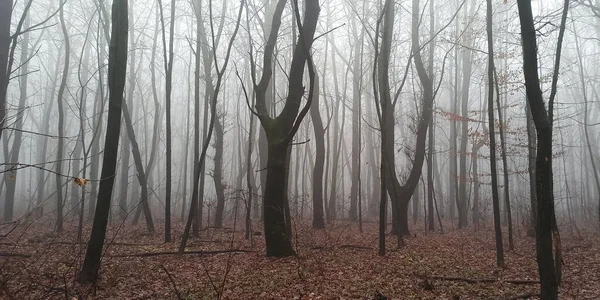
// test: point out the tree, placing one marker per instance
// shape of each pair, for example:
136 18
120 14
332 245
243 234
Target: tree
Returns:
213 114
61 122
11 181
490 94
467 66
546 228
5 38
117 65
168 60
280 130
317 187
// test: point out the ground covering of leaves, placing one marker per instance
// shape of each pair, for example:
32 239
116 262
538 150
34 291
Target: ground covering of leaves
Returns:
336 263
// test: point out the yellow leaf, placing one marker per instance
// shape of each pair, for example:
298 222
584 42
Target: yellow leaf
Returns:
81 181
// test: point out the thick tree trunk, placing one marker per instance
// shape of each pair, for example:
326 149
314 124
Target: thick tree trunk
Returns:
546 227
281 130
276 237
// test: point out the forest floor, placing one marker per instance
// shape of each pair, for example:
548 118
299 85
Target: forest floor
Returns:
336 263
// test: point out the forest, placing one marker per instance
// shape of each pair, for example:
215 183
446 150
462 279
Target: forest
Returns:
299 149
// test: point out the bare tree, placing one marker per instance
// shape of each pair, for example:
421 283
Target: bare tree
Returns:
280 130
61 122
546 228
117 64
214 96
168 60
490 94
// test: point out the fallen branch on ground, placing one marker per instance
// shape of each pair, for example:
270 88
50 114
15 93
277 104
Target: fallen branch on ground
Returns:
7 254
481 280
355 247
201 252
520 296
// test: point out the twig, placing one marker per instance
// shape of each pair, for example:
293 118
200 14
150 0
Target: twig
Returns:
172 282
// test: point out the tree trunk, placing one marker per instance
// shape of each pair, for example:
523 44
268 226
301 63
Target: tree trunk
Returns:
5 19
168 61
213 116
467 64
276 237
490 78
317 180
356 105
11 178
430 209
531 158
117 65
505 173
61 126
281 130
141 175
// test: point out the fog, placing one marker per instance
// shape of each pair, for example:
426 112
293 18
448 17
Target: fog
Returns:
56 110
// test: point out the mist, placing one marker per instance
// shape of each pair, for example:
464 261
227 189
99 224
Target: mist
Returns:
174 123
